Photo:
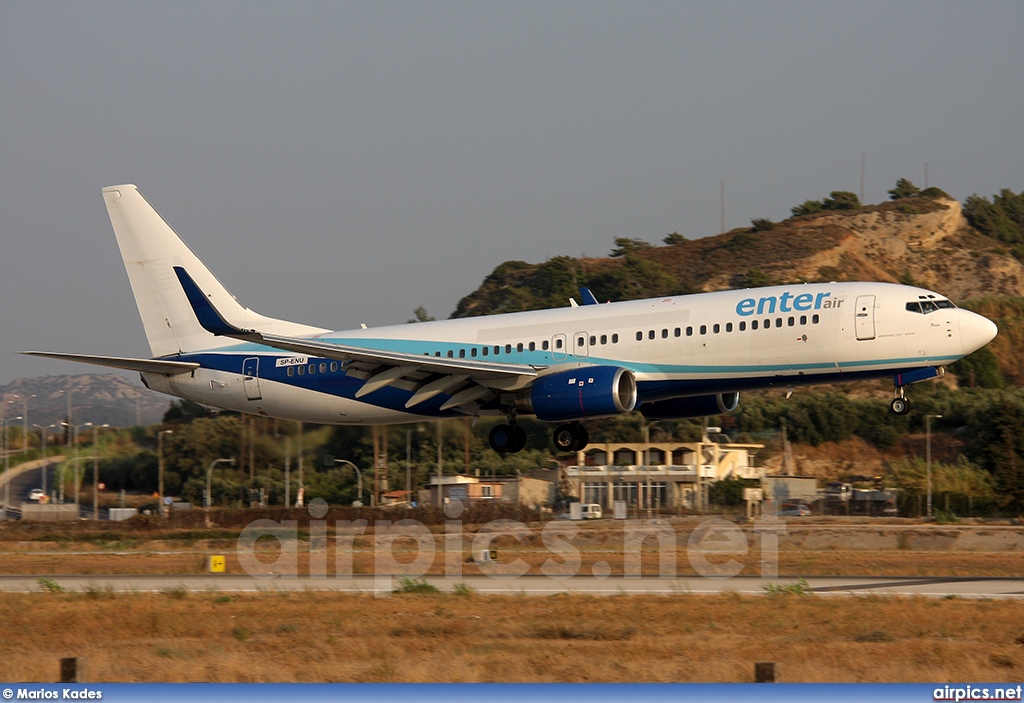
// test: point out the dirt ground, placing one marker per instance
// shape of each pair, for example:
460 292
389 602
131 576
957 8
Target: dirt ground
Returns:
331 637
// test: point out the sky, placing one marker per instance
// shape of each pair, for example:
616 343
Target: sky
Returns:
338 163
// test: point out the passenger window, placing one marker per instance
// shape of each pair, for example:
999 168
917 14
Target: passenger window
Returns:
767 323
291 370
743 326
689 331
604 339
814 319
558 344
664 334
677 332
450 354
519 347
703 329
615 339
497 350
334 367
778 322
639 336
593 340
753 324
533 346
484 350
323 367
803 319
650 334
581 341
544 345
302 370
312 369
792 321
728 327
508 348
472 352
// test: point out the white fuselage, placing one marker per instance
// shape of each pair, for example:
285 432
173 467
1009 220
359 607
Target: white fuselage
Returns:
675 346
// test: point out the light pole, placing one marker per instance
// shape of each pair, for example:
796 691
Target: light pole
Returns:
359 477
209 479
7 467
96 470
408 464
74 429
160 469
42 442
24 419
928 457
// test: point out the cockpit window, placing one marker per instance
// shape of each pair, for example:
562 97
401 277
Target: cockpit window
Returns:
926 306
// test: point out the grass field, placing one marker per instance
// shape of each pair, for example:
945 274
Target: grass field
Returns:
330 637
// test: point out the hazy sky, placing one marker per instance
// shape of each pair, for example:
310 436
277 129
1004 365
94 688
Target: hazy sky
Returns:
345 162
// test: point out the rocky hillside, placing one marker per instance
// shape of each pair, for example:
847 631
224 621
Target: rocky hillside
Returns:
100 398
913 240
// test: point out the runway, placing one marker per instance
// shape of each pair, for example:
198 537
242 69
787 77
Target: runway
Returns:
930 587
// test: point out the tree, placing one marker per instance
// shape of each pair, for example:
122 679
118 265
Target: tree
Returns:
841 200
674 239
904 189
421 315
809 207
1002 218
761 224
627 245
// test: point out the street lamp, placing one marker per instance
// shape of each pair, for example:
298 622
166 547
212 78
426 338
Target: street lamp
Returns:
408 464
24 419
74 428
928 455
7 467
209 478
160 468
96 470
42 442
359 477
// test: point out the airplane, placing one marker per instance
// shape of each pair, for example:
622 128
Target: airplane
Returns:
674 357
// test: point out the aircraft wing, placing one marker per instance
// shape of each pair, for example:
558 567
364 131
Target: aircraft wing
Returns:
467 381
169 368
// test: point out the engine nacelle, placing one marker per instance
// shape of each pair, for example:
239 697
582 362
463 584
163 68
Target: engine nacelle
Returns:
694 406
588 391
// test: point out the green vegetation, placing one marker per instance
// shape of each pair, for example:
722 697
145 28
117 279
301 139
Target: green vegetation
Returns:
800 588
1001 218
904 189
837 200
408 585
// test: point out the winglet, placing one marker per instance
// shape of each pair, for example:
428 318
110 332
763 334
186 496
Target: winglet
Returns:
587 296
208 316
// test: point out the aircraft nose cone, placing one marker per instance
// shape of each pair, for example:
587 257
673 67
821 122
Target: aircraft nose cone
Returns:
976 331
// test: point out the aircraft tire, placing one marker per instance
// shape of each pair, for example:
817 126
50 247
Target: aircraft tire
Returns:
900 406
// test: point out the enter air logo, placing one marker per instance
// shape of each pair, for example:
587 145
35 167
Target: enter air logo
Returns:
787 302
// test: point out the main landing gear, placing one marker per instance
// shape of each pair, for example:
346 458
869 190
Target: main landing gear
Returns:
507 439
570 437
510 438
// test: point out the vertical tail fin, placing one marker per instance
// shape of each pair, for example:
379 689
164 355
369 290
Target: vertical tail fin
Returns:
151 250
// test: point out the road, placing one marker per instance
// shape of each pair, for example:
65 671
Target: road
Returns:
535 585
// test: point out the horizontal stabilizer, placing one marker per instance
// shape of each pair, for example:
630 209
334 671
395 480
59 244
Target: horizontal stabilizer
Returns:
169 368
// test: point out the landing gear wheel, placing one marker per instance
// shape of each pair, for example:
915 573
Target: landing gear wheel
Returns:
507 439
570 437
518 439
900 406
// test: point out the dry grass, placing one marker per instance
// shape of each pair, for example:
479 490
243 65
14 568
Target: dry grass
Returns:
329 637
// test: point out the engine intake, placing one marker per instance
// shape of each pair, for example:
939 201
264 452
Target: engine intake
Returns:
588 391
693 406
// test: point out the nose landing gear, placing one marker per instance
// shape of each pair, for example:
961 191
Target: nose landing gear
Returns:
900 405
